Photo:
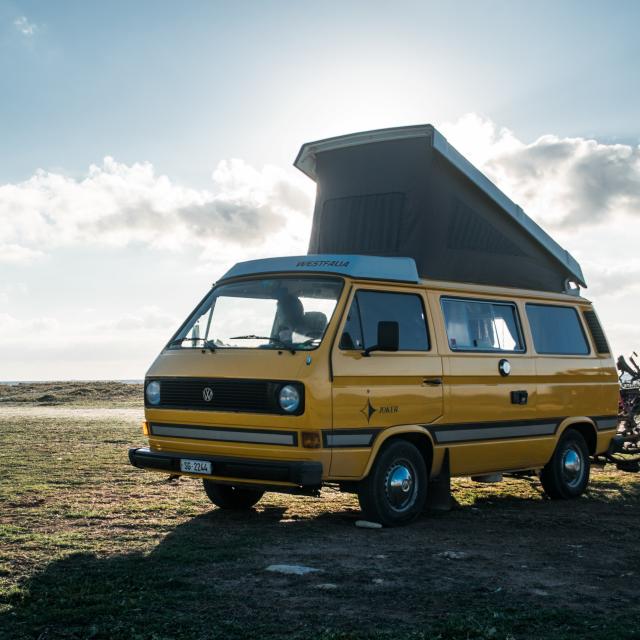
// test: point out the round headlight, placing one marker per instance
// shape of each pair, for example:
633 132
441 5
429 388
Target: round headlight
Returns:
289 398
153 392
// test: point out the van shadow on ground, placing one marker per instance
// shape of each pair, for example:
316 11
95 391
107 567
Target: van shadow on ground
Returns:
176 590
206 578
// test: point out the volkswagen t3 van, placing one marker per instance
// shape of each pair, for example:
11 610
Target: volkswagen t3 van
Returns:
466 350
298 372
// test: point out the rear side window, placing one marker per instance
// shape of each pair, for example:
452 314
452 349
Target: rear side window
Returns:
475 325
556 330
596 332
370 307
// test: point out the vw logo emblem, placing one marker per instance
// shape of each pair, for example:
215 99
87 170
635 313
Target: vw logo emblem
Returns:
207 394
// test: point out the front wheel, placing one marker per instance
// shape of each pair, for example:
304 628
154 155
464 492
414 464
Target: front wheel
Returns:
231 497
566 475
395 491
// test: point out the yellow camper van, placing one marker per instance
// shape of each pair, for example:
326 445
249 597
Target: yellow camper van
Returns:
434 330
351 370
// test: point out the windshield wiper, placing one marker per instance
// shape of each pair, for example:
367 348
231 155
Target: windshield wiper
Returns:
277 341
309 342
208 344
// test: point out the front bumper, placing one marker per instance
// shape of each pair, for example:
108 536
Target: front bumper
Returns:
305 473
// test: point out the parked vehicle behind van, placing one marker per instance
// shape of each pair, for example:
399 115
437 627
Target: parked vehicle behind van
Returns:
298 372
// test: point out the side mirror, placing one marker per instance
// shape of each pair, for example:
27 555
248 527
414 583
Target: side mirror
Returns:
388 337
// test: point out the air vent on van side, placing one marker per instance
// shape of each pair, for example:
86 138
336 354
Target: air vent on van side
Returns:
596 332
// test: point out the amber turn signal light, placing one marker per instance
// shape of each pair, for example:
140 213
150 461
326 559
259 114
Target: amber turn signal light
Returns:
145 428
311 439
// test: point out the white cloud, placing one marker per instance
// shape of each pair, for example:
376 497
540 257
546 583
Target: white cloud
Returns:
9 290
83 345
118 204
7 321
25 27
151 317
586 194
149 324
561 182
17 254
614 280
247 212
12 329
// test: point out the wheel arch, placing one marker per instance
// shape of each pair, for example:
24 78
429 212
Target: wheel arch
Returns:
583 425
414 434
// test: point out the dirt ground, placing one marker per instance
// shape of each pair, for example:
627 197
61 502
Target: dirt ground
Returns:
91 547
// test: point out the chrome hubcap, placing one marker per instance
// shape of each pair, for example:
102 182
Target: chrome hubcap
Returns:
400 485
572 466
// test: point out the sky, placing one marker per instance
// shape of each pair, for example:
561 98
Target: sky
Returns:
146 147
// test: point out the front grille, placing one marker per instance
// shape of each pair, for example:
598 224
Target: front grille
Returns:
246 396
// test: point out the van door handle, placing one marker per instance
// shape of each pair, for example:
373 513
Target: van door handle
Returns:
519 397
432 382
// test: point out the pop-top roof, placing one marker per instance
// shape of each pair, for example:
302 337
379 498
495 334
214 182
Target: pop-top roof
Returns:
531 233
359 267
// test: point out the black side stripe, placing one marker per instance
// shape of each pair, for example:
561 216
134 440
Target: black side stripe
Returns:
606 423
225 434
506 430
466 431
348 438
503 430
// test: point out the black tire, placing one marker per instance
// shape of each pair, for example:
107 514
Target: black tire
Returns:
395 491
231 497
566 475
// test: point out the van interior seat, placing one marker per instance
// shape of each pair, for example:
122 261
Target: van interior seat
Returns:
313 324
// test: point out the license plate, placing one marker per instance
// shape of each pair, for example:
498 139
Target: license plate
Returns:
195 466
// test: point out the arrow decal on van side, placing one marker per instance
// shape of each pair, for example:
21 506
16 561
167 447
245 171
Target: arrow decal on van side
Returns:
368 410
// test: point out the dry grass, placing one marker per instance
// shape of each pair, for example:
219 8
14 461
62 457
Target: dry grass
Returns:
74 394
93 548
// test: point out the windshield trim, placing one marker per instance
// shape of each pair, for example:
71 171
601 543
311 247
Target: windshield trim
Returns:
310 276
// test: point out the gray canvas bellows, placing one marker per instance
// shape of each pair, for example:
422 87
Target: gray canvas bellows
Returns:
407 192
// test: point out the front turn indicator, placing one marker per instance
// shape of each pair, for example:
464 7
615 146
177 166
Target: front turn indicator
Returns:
311 440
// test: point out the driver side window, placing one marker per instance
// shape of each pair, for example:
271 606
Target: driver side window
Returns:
370 307
351 339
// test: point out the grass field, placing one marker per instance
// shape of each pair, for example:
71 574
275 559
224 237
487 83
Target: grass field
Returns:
93 548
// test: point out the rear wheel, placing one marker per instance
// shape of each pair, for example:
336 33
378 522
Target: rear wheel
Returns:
566 475
395 491
231 497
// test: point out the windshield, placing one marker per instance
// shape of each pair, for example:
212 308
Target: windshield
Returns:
275 313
